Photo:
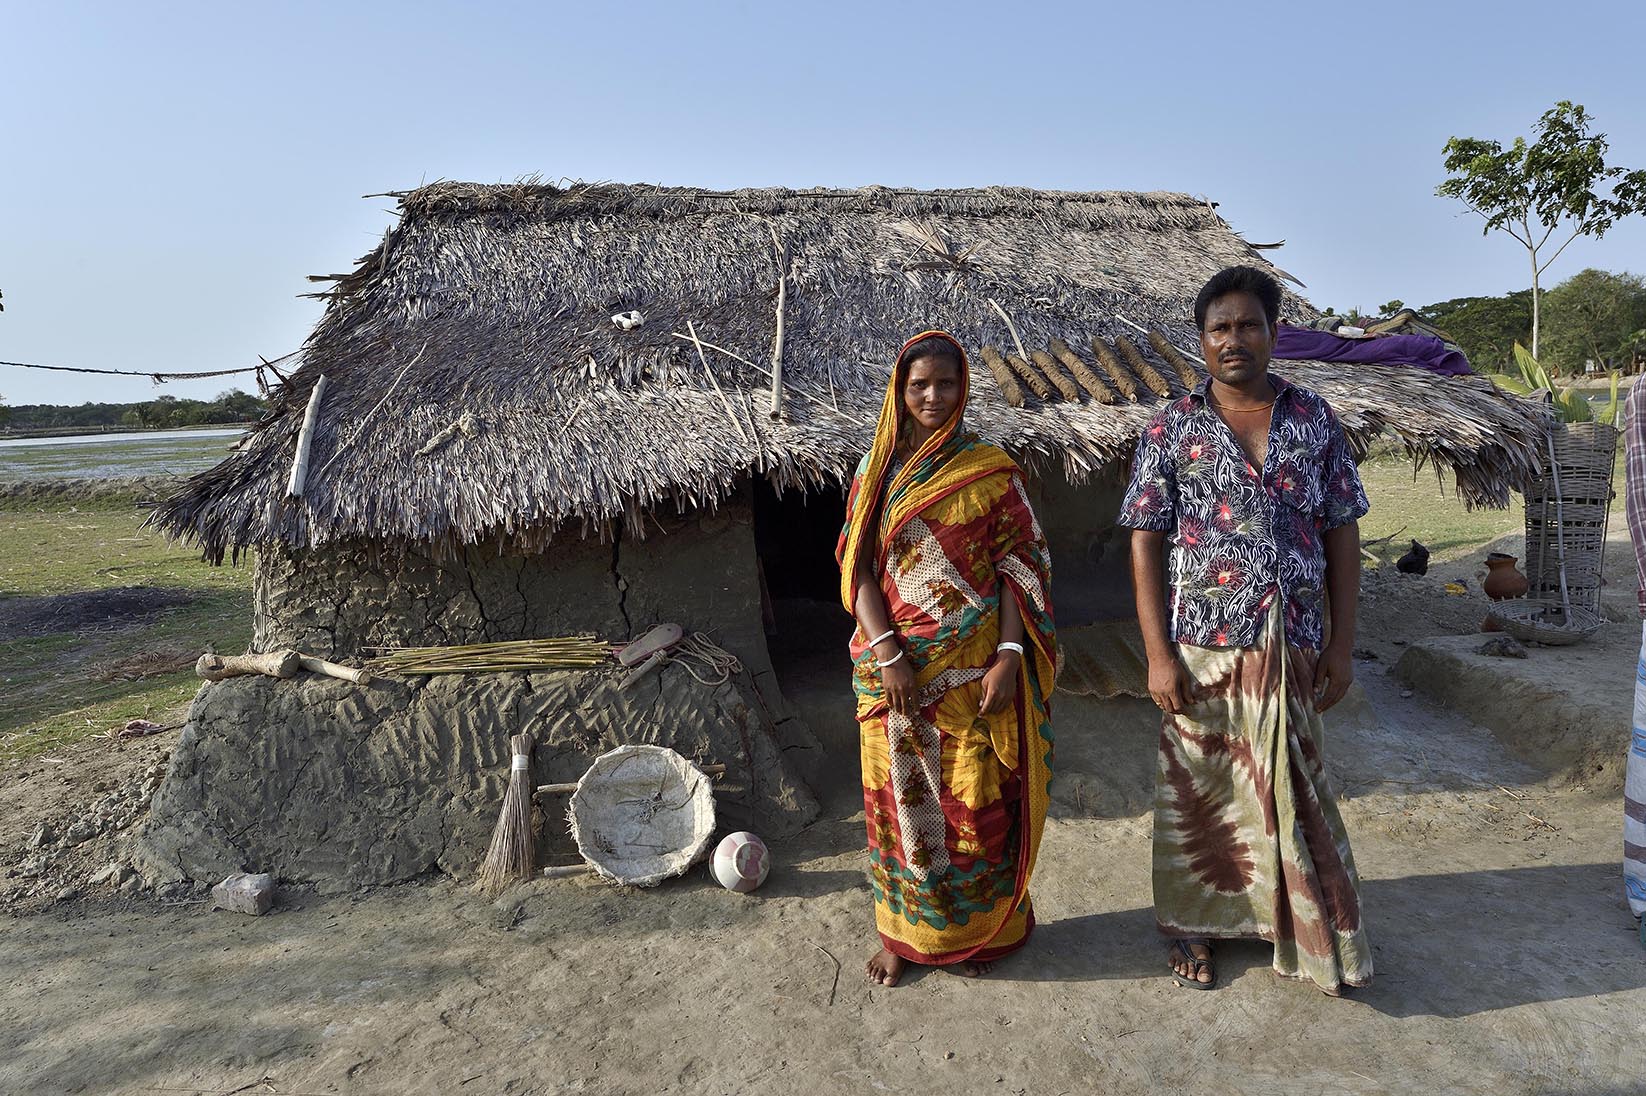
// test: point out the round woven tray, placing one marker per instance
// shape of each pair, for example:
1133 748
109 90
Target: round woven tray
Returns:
642 814
1540 622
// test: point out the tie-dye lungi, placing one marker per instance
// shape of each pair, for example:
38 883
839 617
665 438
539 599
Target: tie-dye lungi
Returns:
1634 796
1247 837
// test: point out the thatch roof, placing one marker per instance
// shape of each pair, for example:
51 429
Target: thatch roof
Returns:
491 307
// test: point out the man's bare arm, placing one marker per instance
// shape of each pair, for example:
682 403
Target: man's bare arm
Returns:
1167 684
1335 671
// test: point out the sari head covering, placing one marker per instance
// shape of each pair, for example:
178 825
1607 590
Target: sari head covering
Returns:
955 800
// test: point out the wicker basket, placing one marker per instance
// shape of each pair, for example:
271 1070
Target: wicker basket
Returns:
1566 513
1541 622
642 814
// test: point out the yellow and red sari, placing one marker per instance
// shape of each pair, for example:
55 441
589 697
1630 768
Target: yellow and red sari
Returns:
955 801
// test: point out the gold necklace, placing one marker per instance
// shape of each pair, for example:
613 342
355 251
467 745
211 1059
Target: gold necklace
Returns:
1243 410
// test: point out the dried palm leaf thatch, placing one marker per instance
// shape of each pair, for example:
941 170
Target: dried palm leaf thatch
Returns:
1110 362
1054 372
1174 358
1142 366
1003 376
493 305
1093 384
1031 376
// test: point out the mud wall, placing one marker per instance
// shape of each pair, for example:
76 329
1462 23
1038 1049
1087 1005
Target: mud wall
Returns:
1091 572
323 781
698 571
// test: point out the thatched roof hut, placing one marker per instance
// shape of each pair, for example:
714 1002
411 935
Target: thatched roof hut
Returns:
479 390
496 457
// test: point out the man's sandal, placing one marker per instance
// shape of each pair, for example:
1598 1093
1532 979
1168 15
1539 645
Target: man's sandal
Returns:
1180 947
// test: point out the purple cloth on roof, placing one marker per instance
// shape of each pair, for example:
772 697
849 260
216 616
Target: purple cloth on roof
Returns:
1423 351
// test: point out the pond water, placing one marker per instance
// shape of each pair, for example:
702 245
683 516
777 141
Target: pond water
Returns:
109 456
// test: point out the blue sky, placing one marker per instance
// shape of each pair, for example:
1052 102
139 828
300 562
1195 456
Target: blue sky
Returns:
173 171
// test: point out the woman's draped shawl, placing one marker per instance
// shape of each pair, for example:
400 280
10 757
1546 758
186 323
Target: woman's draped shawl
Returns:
947 537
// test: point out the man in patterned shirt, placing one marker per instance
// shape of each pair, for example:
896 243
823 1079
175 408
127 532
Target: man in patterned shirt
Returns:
1244 505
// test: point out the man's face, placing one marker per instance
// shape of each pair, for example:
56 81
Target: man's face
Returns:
1238 339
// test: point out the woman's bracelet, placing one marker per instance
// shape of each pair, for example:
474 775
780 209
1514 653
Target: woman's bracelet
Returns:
1008 645
887 634
898 657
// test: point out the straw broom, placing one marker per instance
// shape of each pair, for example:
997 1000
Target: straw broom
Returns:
512 854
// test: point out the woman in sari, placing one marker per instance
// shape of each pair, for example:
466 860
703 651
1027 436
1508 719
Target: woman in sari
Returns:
946 571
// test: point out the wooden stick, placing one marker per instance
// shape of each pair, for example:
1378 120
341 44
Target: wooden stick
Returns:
568 788
331 669
281 664
1145 330
566 871
782 303
643 669
1010 326
702 357
305 438
734 356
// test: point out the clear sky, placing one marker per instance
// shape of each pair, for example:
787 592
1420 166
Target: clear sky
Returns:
172 171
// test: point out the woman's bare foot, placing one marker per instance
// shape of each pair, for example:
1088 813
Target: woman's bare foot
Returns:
884 968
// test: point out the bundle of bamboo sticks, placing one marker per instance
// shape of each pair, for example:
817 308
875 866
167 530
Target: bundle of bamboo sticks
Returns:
560 653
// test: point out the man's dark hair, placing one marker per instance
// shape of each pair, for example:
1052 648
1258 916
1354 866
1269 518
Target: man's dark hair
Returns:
1239 279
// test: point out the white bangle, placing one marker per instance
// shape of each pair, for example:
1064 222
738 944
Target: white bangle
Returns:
887 634
891 661
1008 645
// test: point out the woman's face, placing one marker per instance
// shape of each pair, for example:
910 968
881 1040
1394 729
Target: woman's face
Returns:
932 391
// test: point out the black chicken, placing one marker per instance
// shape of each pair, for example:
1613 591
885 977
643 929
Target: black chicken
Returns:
1415 562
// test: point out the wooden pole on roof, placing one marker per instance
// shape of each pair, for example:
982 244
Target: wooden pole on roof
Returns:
305 438
782 303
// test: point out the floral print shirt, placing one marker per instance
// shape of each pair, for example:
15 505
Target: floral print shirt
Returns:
1240 538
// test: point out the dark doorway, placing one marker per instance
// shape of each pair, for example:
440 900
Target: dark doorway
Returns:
807 629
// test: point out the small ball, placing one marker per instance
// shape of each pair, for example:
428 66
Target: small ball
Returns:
740 862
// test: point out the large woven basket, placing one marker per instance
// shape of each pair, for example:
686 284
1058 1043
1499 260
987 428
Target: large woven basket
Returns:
1566 509
1566 513
642 814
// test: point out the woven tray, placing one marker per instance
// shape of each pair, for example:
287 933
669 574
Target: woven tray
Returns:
642 814
1533 621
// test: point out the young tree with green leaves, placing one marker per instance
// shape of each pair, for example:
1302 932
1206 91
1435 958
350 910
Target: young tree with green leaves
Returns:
1556 185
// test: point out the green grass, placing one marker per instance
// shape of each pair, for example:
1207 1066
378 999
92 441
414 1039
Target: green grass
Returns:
1428 510
68 686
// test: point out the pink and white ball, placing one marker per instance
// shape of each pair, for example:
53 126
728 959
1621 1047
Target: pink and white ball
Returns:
740 862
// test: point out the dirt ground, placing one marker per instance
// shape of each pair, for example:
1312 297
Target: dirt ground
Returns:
1506 960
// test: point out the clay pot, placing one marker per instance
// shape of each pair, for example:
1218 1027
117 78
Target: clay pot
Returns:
1503 580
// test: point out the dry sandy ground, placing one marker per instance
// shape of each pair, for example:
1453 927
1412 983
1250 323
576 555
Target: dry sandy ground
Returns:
1506 963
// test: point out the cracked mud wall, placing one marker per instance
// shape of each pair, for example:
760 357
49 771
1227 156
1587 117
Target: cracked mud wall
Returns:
697 570
323 781
317 779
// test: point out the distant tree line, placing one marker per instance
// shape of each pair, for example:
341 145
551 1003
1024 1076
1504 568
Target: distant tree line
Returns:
163 412
1594 316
